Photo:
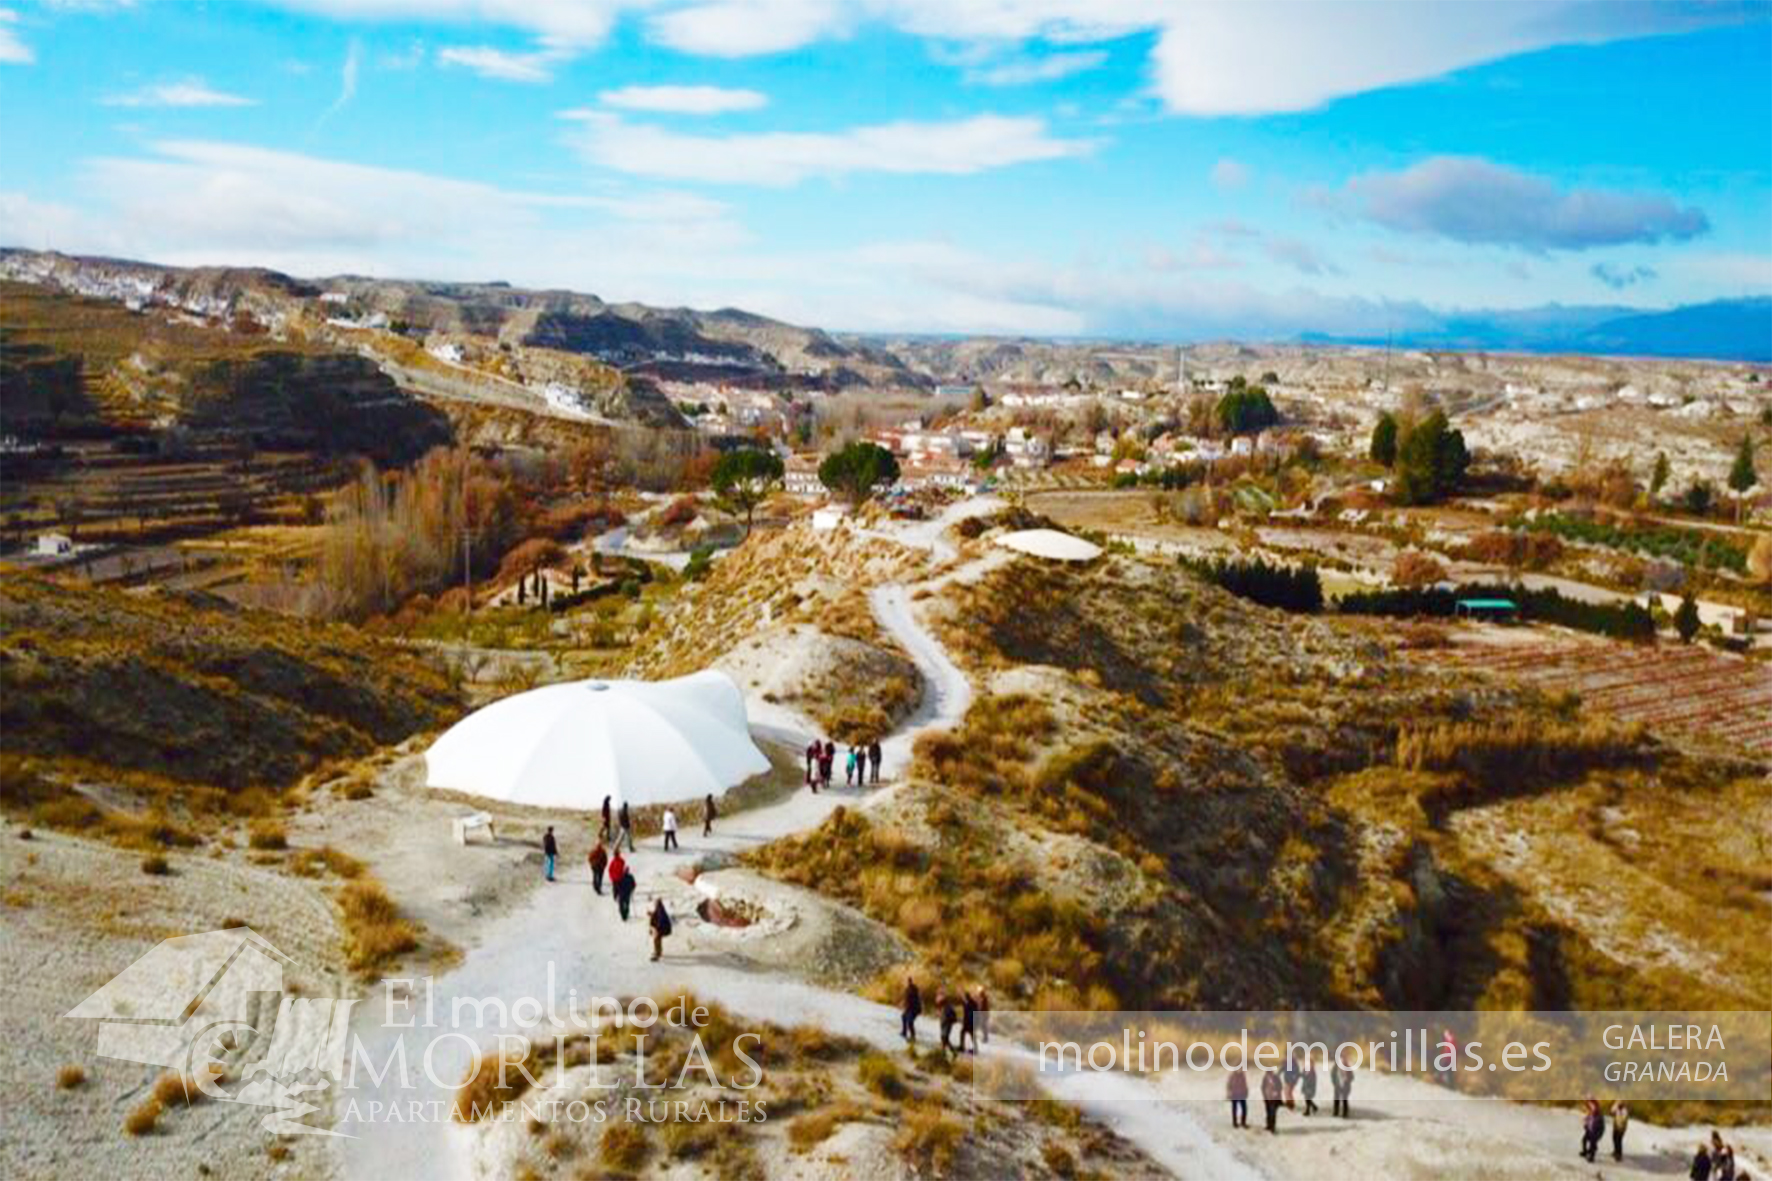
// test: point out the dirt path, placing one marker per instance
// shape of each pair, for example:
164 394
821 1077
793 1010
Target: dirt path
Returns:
564 938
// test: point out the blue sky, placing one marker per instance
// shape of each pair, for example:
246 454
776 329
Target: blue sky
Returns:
1074 167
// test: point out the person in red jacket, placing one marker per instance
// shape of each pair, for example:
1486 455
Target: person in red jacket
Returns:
1236 1089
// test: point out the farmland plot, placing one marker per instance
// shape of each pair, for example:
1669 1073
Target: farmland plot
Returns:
1694 690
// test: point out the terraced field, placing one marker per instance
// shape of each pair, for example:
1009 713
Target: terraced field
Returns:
1689 689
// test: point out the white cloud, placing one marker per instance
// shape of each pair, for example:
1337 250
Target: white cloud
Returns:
783 158
683 100
1211 57
1230 174
745 28
1028 71
534 66
347 79
13 51
190 92
1300 255
1478 202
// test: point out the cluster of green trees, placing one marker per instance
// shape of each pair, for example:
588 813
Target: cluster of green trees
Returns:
858 470
1245 409
1428 457
1291 588
1693 547
1625 621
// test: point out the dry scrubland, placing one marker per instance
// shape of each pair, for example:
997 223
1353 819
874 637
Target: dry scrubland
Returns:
787 615
1166 796
833 1109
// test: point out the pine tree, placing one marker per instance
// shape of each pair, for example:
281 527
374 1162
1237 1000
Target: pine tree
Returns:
1384 440
1658 479
1686 619
1743 476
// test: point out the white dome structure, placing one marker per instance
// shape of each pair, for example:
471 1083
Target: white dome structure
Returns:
568 746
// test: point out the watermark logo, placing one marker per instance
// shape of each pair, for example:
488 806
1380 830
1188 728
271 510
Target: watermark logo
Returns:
212 1007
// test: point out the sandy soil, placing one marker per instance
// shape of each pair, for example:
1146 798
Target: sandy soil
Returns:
77 913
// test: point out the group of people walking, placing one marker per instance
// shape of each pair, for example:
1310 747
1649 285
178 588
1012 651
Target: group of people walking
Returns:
1286 1087
971 1014
860 767
607 863
1714 1161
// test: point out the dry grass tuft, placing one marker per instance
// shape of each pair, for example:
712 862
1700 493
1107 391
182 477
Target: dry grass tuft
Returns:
376 933
623 1148
69 1077
267 834
144 1118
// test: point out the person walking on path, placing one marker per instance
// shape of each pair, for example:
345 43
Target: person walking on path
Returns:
626 831
1446 1065
1272 1091
618 872
944 1004
1722 1159
708 815
670 830
660 922
874 758
1289 1080
909 1010
1620 1121
968 1022
599 859
826 761
1700 1170
984 1015
1342 1080
550 849
604 835
1236 1089
1593 1126
849 768
814 750
1307 1083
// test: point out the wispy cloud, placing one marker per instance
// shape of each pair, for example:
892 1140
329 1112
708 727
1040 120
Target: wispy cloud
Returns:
1479 202
1618 277
347 80
1230 174
684 100
189 92
1030 70
783 158
536 65
13 50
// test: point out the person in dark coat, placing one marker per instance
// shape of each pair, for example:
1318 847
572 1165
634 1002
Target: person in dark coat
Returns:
708 814
604 835
910 1010
984 1015
1236 1089
618 879
1307 1084
599 859
968 1022
626 831
1272 1094
874 758
1700 1170
1593 1127
826 761
1342 1079
1620 1121
944 1004
550 849
660 922
814 750
1722 1159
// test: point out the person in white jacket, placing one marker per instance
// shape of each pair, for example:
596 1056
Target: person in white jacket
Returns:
670 830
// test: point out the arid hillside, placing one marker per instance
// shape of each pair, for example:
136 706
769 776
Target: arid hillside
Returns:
1166 796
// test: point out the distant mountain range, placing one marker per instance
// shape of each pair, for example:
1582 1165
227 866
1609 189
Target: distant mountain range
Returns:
1724 330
